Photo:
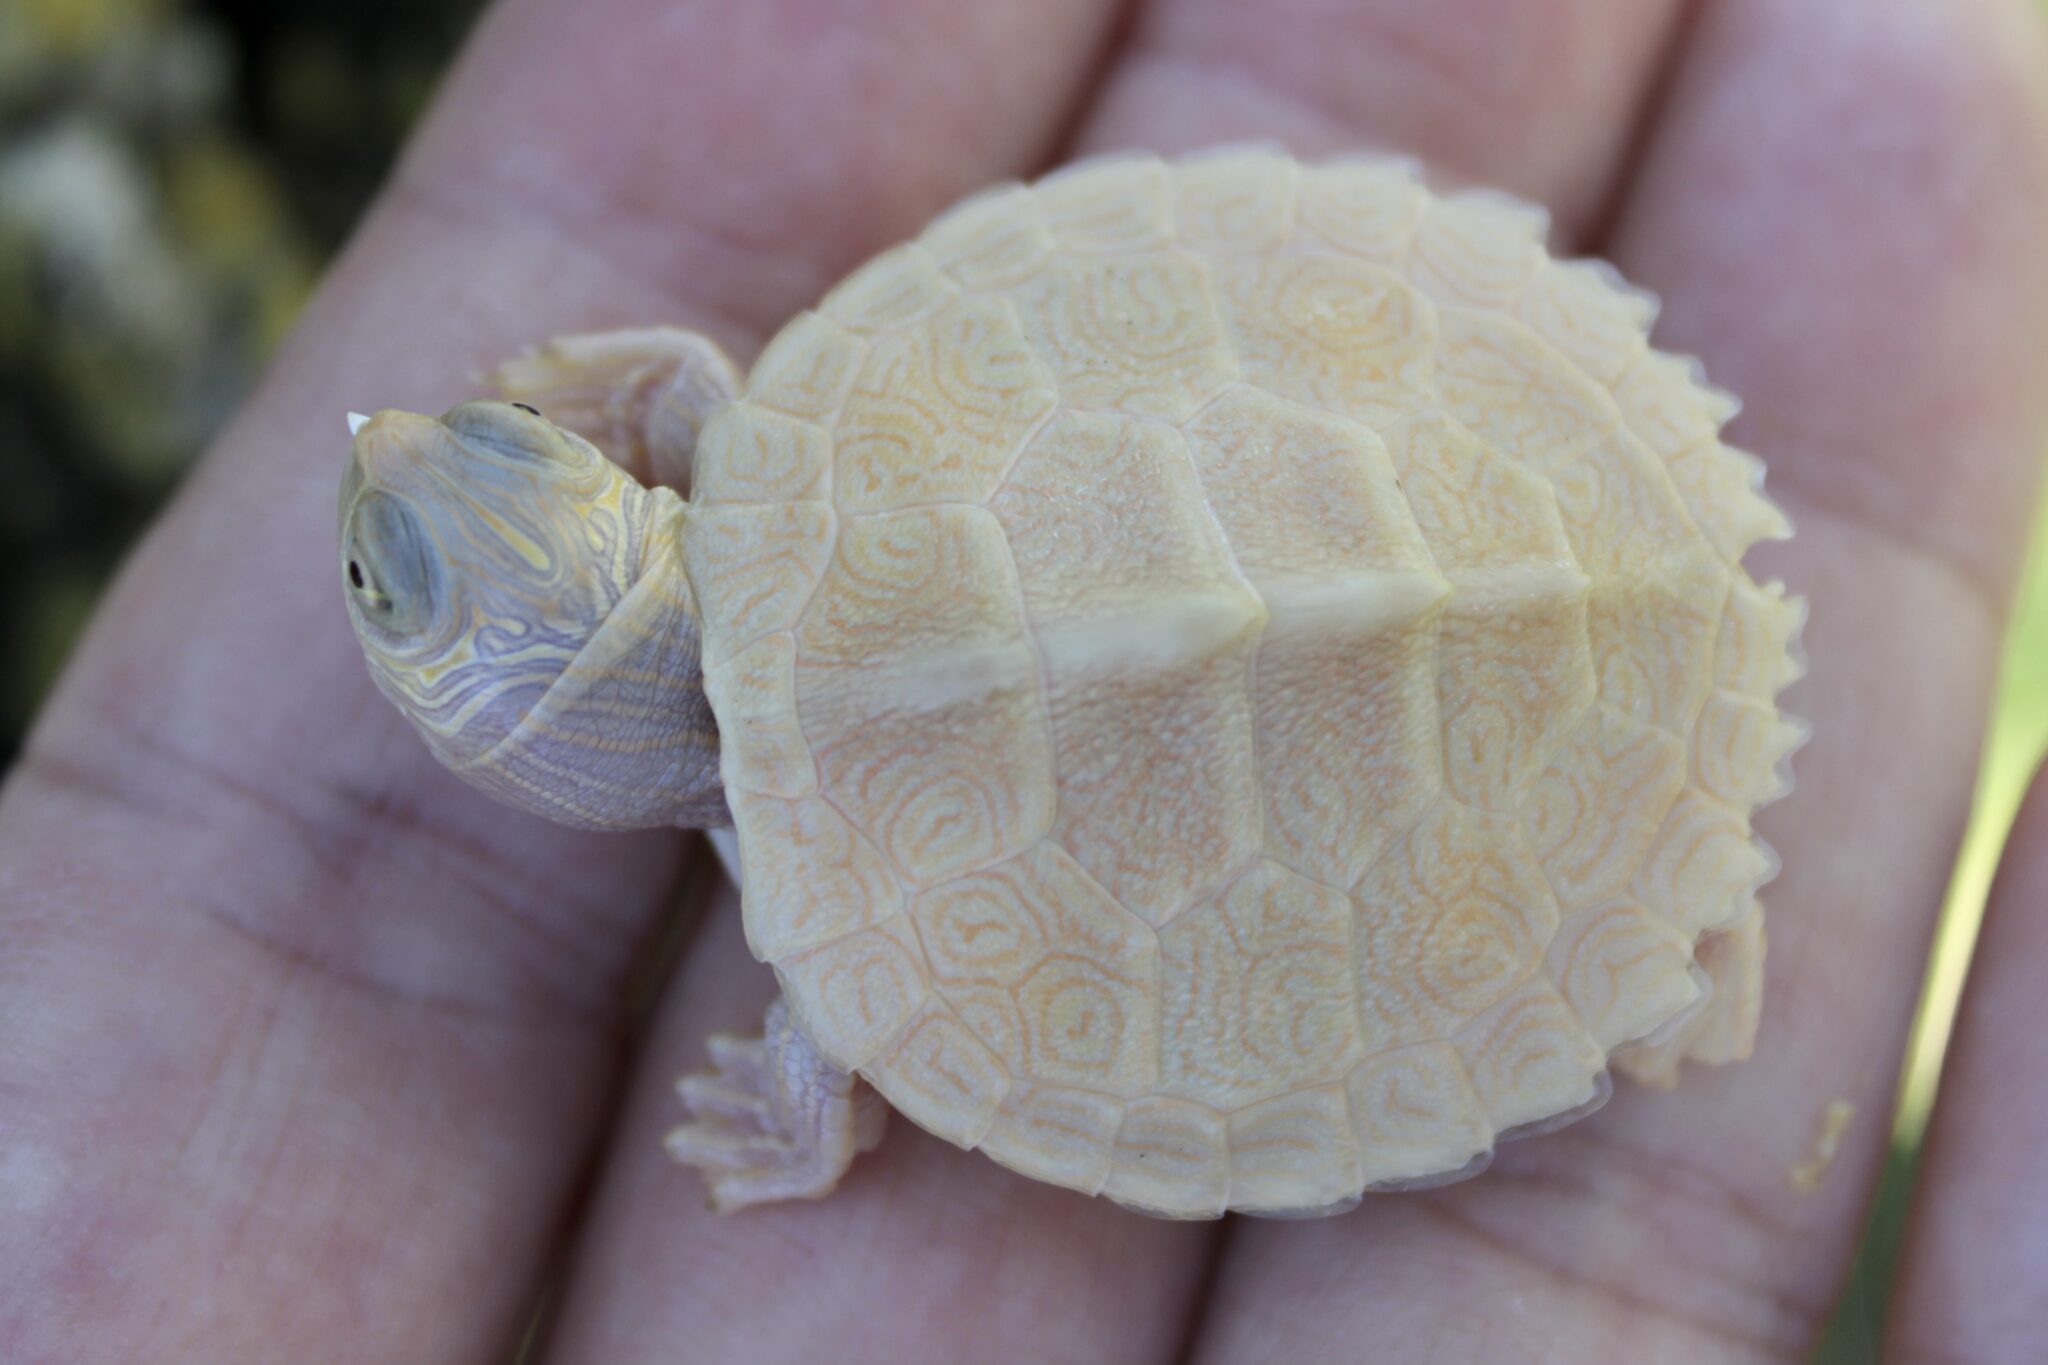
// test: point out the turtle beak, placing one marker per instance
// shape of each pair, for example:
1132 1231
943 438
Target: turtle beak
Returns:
391 444
388 450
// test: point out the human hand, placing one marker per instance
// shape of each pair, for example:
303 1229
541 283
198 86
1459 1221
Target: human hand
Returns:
311 1054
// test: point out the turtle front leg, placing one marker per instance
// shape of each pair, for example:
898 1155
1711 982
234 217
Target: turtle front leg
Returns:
640 395
772 1119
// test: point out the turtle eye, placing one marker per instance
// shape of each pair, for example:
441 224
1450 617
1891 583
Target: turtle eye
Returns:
509 430
392 568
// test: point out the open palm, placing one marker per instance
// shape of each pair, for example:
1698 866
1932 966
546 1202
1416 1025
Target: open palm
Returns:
309 1054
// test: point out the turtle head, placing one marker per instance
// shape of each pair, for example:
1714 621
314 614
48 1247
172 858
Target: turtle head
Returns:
522 600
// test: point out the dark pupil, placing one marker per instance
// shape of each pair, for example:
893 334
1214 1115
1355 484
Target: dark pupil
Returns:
355 573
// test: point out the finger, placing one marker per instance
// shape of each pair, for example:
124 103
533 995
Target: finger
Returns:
1824 177
1540 99
305 1043
1974 1262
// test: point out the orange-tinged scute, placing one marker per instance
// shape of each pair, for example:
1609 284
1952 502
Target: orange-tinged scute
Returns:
1240 681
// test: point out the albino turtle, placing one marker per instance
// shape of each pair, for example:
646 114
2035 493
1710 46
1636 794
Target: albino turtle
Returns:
1233 679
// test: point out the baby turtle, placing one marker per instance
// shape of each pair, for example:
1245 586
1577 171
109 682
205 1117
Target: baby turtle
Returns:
1234 679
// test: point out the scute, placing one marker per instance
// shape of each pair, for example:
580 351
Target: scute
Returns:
946 1075
854 994
1588 313
1417 1114
1530 1057
1478 248
1238 683
1332 332
1350 745
759 564
1105 518
994 239
1136 334
1592 814
1623 970
1653 637
1172 1157
942 786
1059 1133
1256 991
1158 772
1304 497
1061 973
748 453
1447 922
1110 204
939 409
1294 1154
1365 208
905 587
805 373
818 877
891 292
1514 679
1235 199
1523 399
1476 510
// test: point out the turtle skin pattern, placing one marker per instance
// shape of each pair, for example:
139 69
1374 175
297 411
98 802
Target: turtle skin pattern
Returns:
1237 681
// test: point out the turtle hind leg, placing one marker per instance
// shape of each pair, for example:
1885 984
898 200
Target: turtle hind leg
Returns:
640 395
773 1120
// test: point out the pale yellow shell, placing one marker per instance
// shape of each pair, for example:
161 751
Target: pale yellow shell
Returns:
1237 683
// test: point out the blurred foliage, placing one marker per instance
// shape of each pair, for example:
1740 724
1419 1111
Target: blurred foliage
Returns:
173 173
2013 750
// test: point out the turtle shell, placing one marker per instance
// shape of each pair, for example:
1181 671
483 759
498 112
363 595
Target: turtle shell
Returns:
1236 681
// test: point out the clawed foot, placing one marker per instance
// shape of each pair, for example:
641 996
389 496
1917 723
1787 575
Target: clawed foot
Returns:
773 1120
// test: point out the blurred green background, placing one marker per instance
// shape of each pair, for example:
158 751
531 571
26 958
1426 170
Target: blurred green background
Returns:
173 174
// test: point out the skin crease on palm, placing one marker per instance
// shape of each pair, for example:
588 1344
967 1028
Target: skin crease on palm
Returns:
311 1054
